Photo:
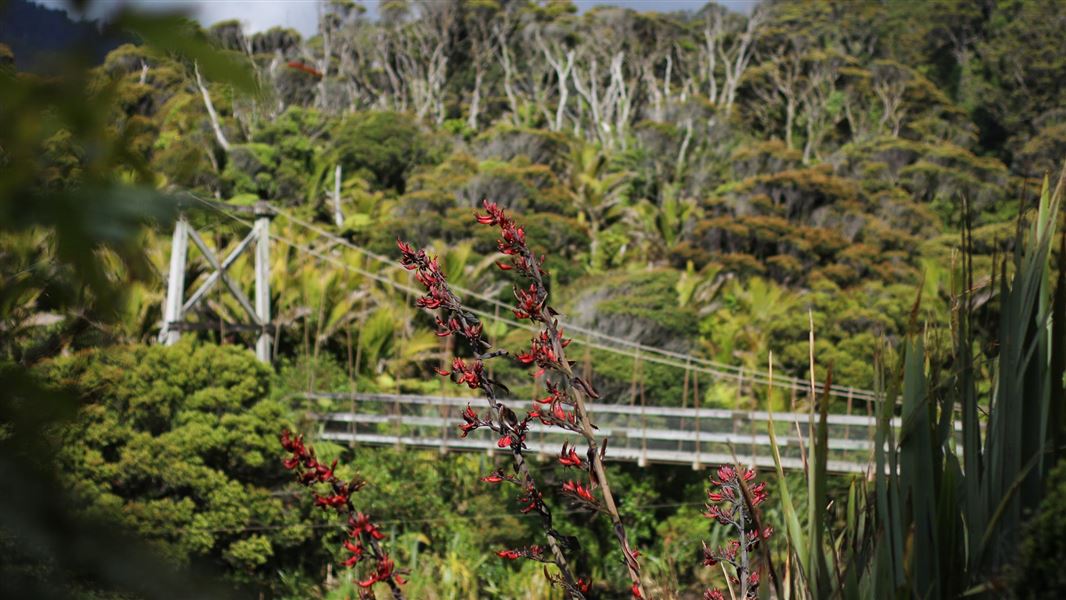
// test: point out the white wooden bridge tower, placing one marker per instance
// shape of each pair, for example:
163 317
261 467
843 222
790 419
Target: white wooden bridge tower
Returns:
177 305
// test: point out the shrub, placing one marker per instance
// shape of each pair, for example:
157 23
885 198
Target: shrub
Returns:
178 443
386 145
1038 572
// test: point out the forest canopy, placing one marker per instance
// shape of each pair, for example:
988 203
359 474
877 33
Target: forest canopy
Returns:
823 150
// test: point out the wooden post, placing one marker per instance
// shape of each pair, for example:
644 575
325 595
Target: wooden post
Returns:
263 215
443 410
847 428
172 309
736 403
870 431
353 371
696 463
397 420
684 401
408 308
753 406
632 394
740 389
351 386
338 218
643 461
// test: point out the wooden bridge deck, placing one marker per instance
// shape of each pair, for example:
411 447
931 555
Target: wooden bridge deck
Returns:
645 435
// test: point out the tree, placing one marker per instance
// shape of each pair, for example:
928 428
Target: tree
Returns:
597 194
480 22
604 78
384 147
728 38
553 39
419 47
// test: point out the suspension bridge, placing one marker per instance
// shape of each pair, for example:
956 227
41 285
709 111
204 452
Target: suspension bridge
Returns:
637 432
647 435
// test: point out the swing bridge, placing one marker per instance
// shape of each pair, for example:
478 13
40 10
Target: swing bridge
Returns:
644 435
689 434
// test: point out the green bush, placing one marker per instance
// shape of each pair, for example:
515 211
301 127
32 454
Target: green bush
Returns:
384 145
1038 572
180 444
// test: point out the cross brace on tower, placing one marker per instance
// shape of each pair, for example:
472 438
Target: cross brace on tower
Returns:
176 305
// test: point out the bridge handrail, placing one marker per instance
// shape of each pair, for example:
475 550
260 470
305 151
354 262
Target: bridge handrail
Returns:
600 408
545 440
616 454
637 433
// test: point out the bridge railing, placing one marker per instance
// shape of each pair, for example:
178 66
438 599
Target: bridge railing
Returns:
650 434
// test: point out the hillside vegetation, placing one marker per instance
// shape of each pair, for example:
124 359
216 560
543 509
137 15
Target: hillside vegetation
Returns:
736 169
710 183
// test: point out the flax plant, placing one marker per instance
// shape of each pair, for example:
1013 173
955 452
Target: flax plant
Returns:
960 456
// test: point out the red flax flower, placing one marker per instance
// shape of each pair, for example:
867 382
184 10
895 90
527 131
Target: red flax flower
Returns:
384 571
580 493
465 374
509 554
543 352
529 303
361 524
532 500
498 476
568 457
453 318
547 352
733 503
356 551
532 553
362 536
564 406
472 421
